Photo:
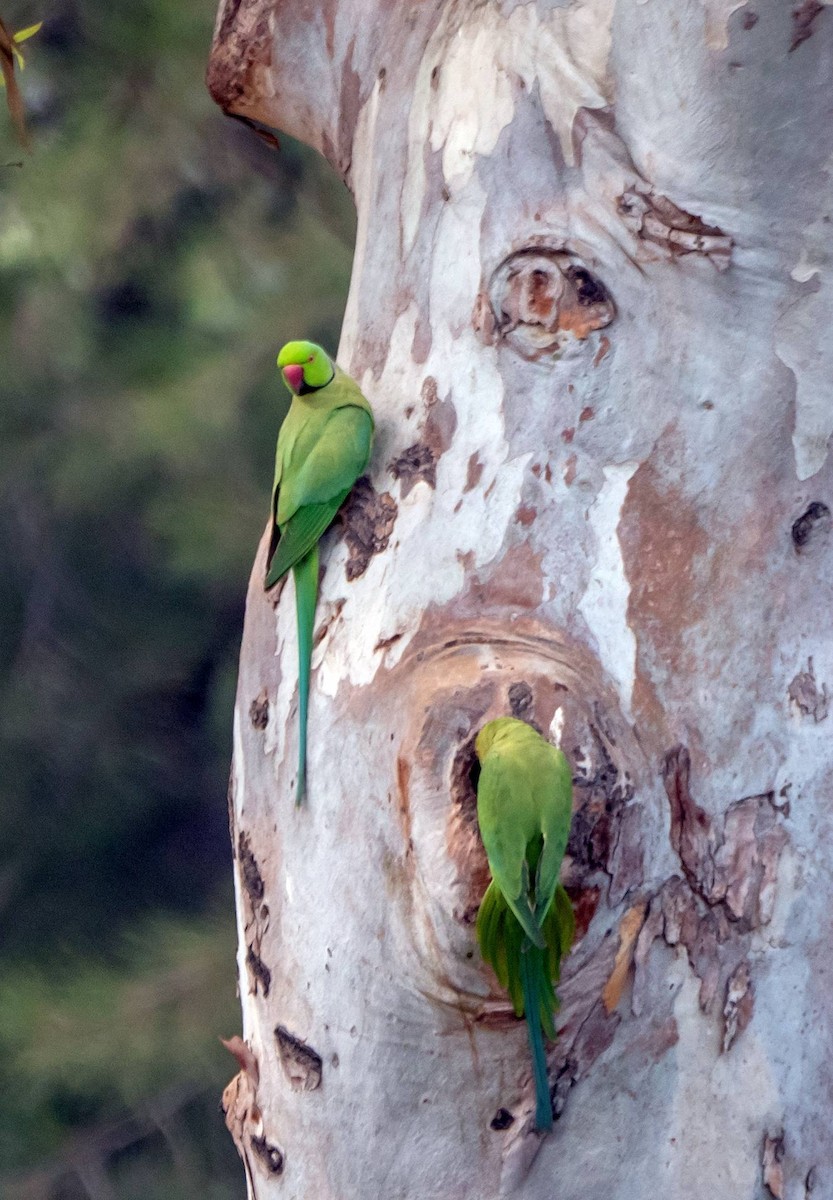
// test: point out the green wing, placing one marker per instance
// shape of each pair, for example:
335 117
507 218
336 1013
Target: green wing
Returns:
554 788
301 534
325 461
506 816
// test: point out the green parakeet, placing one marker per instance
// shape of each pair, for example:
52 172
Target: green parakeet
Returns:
323 447
525 923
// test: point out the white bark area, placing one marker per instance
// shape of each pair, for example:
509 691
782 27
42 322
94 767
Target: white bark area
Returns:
591 306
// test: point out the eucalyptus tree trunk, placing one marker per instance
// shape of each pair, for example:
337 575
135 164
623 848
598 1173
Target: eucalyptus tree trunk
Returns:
591 306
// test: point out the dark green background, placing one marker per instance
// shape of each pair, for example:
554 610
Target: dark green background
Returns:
154 255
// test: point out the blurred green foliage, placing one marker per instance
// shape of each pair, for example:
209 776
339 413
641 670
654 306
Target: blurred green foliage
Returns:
153 257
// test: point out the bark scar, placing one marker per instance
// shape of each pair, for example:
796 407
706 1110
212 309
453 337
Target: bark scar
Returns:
301 1064
369 518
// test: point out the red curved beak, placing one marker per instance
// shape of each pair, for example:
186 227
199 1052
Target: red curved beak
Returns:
294 376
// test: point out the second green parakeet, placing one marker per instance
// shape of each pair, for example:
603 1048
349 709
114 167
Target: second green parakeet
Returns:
323 447
525 923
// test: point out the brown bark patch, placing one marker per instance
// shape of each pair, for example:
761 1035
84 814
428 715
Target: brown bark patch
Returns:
260 977
772 1157
242 43
249 870
526 515
245 1058
809 699
658 221
415 465
419 462
259 710
369 518
604 347
301 1064
629 928
739 1005
403 779
516 583
474 471
804 16
663 544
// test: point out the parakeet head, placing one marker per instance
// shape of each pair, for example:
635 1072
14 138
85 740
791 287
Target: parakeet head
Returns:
305 367
494 730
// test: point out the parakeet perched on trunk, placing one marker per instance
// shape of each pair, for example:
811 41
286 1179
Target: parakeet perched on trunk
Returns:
525 923
323 447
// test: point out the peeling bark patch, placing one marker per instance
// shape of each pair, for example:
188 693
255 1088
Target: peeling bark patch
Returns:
811 527
369 518
735 866
728 891
740 1003
805 694
243 41
657 220
259 973
268 1155
629 928
245 1058
259 710
252 878
301 1064
419 462
804 16
541 299
692 833
682 918
414 465
772 1157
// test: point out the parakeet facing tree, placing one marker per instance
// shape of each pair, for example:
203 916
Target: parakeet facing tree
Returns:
323 447
525 923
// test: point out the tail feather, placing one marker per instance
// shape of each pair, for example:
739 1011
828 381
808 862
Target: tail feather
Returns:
532 978
529 973
305 573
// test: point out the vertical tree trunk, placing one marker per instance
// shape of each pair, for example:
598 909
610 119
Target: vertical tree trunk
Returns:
591 306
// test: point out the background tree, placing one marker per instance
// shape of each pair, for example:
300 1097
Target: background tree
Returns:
153 256
590 303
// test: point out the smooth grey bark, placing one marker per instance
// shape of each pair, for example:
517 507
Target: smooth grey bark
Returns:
591 304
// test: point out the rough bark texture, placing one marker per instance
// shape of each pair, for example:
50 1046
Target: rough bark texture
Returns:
591 306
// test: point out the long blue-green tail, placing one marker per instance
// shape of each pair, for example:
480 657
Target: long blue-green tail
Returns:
305 574
535 985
